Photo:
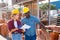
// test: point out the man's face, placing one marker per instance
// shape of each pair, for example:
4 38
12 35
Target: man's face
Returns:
27 15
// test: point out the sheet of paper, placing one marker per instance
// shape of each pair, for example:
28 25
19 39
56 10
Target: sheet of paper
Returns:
25 26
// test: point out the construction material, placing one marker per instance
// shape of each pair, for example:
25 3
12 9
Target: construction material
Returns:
54 36
58 21
4 30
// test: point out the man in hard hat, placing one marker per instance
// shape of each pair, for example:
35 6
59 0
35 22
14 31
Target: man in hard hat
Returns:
30 34
14 25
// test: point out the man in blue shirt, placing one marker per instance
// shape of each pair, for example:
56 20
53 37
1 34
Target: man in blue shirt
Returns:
30 20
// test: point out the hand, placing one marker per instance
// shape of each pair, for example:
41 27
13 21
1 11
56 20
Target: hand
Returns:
14 30
23 30
10 34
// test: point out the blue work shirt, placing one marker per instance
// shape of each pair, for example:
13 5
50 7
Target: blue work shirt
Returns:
31 21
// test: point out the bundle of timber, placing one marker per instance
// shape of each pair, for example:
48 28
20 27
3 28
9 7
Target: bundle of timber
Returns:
54 36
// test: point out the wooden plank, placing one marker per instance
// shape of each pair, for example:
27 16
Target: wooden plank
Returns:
4 30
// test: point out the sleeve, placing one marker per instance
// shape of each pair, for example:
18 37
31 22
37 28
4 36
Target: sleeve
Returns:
9 26
37 20
23 21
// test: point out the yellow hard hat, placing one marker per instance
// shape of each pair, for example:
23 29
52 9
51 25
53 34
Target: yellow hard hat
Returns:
15 11
25 9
